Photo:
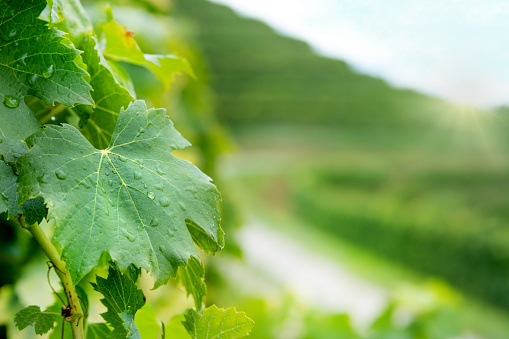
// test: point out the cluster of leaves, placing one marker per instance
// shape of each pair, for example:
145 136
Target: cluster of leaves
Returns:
107 177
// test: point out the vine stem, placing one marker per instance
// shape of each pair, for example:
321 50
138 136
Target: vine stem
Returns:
64 275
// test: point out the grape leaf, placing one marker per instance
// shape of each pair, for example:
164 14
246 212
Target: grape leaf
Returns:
217 323
174 329
98 331
146 322
130 200
34 210
16 124
109 96
35 60
192 277
118 44
32 315
122 299
8 189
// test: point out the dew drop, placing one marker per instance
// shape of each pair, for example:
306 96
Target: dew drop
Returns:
162 248
159 186
151 195
154 222
31 78
11 101
182 206
129 236
107 173
23 59
48 73
137 175
60 174
164 202
159 170
84 184
110 182
103 189
8 36
122 159
107 211
50 203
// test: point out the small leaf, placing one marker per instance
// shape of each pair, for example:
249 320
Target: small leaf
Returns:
146 322
99 122
174 328
32 315
34 210
98 331
122 299
217 323
192 277
135 194
119 45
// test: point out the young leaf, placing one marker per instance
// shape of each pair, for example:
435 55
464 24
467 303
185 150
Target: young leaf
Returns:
35 61
217 323
174 329
98 331
34 210
146 322
122 299
130 200
118 44
109 96
192 277
32 315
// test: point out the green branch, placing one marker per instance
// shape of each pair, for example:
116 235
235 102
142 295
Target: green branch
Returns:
70 291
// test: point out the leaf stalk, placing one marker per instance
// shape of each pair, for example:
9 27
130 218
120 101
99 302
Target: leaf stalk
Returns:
64 275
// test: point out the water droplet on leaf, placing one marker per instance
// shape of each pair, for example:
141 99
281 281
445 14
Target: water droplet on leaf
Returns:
60 174
8 36
164 202
137 175
159 186
129 236
31 78
159 170
11 101
182 206
23 59
151 195
154 222
162 248
48 73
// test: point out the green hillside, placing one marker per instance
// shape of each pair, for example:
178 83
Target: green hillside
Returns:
260 76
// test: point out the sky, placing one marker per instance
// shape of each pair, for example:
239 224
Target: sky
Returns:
454 49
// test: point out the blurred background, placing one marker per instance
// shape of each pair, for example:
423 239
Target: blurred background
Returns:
361 150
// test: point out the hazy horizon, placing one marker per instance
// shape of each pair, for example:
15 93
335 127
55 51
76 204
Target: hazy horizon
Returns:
447 49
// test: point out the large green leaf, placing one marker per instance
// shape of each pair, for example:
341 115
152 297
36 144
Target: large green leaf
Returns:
192 277
109 97
118 44
34 59
122 299
217 323
131 199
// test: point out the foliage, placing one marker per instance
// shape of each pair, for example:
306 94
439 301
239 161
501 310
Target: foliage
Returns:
107 179
422 224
